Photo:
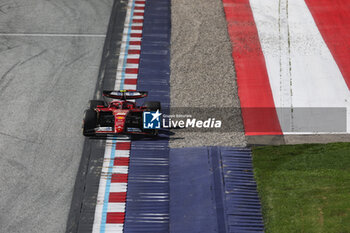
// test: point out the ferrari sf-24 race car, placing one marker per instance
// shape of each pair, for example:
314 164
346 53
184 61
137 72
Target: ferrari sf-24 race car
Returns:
118 116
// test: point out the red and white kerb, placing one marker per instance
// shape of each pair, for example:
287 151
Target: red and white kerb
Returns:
290 55
129 58
111 199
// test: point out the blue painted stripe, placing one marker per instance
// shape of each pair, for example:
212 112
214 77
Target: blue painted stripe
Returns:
108 184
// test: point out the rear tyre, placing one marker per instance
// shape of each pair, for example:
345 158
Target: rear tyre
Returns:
152 105
90 121
95 103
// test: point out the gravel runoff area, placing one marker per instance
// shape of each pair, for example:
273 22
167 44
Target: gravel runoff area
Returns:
202 71
50 53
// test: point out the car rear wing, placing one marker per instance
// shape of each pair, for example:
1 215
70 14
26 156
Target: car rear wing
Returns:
125 94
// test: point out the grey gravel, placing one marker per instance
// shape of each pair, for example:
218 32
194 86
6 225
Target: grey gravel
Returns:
45 84
202 71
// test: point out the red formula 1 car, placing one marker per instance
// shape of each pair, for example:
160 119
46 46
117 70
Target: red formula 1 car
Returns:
119 116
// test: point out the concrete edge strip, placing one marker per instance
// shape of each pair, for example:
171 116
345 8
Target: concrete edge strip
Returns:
80 217
51 34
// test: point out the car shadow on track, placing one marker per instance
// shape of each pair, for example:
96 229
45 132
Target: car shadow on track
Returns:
164 135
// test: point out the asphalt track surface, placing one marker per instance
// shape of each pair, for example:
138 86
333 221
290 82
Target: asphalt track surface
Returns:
202 71
50 53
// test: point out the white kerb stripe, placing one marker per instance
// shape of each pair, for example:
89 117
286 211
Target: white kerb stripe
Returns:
122 153
129 87
132 65
120 169
136 31
135 24
118 187
115 228
116 207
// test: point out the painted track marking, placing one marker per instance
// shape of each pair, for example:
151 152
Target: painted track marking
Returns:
316 79
333 21
288 81
258 107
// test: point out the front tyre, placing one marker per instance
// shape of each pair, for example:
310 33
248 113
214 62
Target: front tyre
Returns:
90 121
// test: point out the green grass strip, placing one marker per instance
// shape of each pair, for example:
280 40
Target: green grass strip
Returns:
304 188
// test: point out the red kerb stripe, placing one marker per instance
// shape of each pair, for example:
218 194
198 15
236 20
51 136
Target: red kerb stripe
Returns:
119 178
117 197
123 146
136 27
136 35
133 60
131 70
258 108
130 81
333 21
134 51
138 13
139 8
121 161
135 42
115 217
137 20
